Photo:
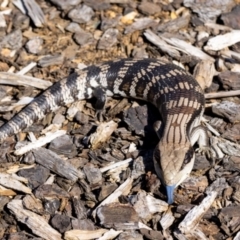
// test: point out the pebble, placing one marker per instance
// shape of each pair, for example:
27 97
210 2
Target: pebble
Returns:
81 14
107 23
73 27
34 45
108 39
12 40
65 5
83 38
98 5
149 8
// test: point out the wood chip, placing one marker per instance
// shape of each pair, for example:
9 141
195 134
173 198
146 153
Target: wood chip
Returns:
121 190
204 73
40 142
102 134
36 223
31 8
194 216
53 162
159 42
222 41
188 48
84 234
12 182
16 79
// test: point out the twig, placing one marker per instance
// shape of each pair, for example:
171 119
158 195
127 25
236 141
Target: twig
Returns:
222 94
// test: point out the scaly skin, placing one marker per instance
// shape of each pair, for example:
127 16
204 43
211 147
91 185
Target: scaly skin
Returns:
174 92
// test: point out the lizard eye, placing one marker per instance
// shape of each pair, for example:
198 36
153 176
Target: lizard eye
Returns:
188 157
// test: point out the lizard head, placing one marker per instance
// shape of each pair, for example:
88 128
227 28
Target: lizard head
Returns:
173 164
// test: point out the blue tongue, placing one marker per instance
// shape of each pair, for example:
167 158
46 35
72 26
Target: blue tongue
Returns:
170 192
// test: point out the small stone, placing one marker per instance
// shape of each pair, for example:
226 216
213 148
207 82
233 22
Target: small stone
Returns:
98 5
149 8
83 38
107 23
13 40
108 39
65 5
81 14
138 168
73 27
34 45
140 53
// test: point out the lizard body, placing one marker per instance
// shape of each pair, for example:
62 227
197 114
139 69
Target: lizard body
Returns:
174 92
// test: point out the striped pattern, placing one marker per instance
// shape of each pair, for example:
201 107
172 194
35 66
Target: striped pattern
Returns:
174 92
